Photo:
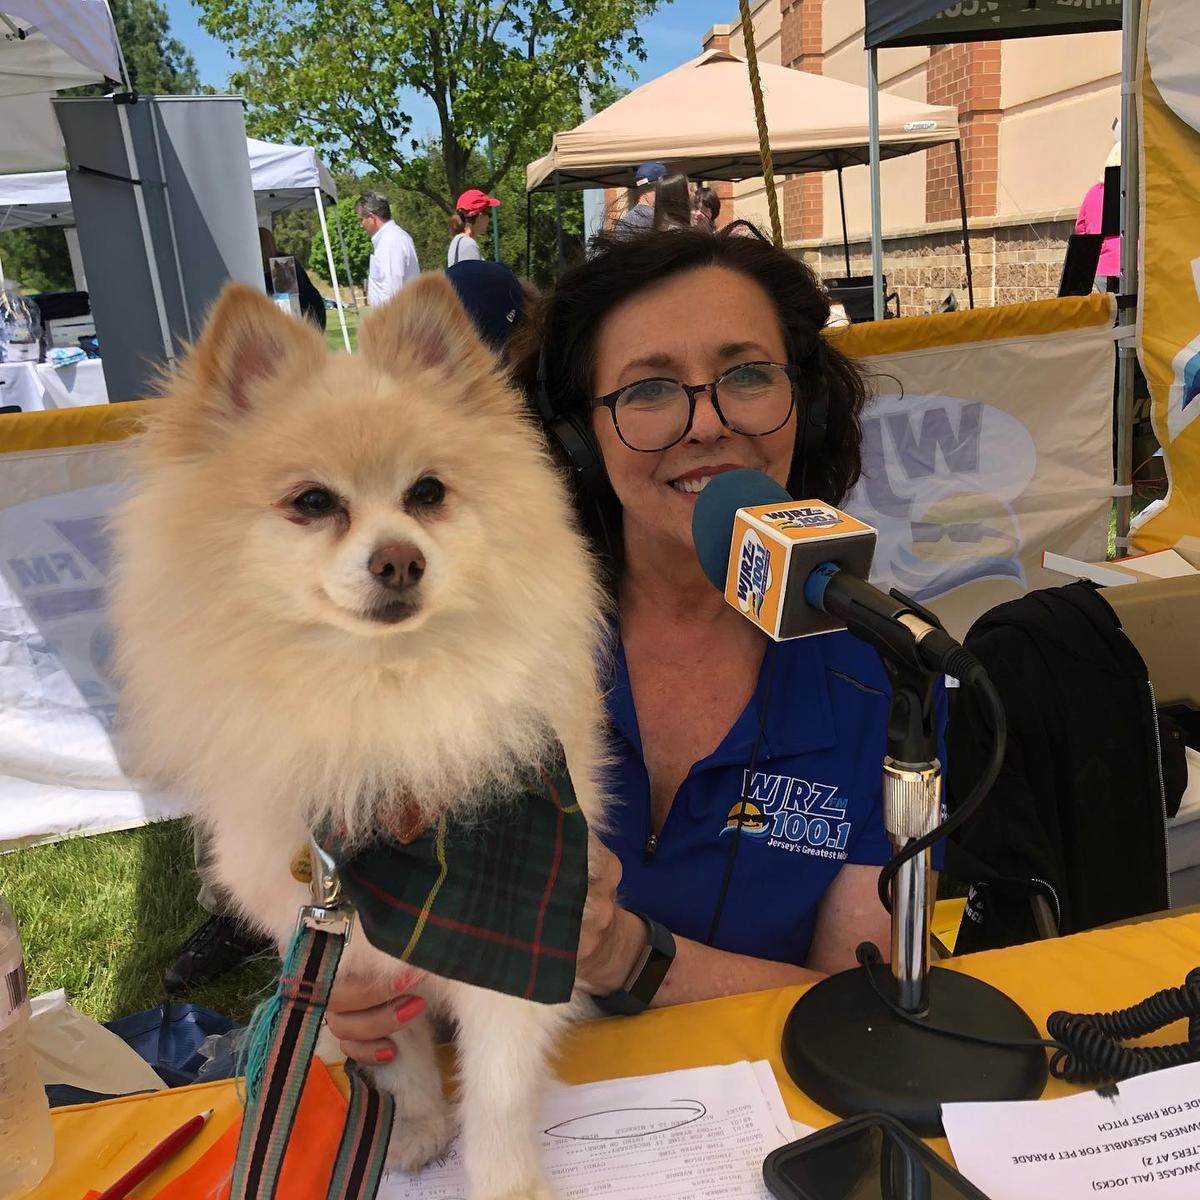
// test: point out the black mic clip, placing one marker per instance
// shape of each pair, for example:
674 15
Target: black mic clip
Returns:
926 615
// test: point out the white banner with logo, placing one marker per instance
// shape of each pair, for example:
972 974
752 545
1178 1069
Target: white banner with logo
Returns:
988 441
60 773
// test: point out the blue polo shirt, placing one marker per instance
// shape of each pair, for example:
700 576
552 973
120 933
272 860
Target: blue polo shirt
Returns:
814 801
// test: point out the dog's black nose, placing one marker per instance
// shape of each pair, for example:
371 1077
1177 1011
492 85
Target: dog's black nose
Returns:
397 565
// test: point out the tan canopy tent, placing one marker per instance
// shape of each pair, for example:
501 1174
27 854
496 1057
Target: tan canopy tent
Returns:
699 119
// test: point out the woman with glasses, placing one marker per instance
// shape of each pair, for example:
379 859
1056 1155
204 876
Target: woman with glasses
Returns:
746 831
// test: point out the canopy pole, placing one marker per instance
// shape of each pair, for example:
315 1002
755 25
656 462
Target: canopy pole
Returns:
962 210
125 76
558 238
1130 226
845 232
494 212
876 206
529 234
337 291
337 222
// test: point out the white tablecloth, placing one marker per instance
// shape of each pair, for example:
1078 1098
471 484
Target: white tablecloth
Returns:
35 386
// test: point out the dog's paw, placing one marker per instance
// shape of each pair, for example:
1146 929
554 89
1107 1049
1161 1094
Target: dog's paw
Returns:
418 1140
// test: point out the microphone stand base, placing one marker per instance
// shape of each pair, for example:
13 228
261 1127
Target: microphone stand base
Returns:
845 1049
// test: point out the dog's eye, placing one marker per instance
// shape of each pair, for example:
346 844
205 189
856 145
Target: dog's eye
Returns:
316 502
426 493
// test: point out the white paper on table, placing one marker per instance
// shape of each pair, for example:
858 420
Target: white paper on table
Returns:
1145 1141
699 1134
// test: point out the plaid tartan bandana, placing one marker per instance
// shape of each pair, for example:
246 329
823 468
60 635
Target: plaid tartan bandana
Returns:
495 900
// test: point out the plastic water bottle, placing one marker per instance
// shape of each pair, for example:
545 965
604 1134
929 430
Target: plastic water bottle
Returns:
26 1135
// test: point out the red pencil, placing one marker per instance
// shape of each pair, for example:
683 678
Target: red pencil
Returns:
166 1149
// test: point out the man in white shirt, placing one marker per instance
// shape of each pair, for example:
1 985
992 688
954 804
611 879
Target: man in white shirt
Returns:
393 257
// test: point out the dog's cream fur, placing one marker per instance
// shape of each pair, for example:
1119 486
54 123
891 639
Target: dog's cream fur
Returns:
255 679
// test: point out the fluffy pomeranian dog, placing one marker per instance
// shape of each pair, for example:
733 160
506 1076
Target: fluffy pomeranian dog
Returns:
342 580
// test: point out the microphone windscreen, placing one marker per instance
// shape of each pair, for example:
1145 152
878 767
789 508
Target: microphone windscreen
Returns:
714 513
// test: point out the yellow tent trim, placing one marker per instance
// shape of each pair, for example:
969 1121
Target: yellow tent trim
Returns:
979 325
57 427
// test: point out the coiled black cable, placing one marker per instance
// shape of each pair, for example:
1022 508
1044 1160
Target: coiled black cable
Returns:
1091 1050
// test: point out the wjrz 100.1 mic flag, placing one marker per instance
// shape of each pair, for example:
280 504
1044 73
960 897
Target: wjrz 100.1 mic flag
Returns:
759 546
799 567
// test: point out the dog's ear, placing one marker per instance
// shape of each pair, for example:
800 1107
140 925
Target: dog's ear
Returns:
424 325
246 342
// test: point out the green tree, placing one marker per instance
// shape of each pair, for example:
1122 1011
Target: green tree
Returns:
37 259
343 75
294 229
158 65
358 243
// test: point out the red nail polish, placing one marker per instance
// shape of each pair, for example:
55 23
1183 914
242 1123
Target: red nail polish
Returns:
385 1054
402 983
407 1009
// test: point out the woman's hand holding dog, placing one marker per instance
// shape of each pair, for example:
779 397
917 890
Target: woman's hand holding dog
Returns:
364 1015
611 938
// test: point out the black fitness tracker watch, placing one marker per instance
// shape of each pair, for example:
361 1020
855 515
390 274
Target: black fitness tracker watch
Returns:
647 975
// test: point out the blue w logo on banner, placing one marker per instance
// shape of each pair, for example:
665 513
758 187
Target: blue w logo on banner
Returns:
940 476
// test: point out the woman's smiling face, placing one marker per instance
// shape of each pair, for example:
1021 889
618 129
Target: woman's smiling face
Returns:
692 327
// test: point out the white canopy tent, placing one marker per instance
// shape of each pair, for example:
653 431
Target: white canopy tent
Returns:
287 176
283 177
47 45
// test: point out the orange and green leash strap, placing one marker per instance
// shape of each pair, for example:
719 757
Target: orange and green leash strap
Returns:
282 1037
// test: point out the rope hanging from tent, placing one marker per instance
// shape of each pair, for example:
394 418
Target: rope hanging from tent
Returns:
760 119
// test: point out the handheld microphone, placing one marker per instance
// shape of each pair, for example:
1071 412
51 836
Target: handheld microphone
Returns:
799 567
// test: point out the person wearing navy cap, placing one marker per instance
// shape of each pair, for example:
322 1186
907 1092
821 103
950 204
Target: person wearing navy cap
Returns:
492 296
640 217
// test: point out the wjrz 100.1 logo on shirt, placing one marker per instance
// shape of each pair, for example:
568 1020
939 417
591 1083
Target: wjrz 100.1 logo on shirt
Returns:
792 814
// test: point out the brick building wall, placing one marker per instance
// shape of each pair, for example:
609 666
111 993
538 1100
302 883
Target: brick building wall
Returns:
1010 264
967 76
718 39
800 47
1011 261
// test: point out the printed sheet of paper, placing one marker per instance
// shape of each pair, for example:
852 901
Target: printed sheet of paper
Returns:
1143 1142
700 1134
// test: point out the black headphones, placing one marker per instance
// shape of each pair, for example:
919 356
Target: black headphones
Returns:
574 446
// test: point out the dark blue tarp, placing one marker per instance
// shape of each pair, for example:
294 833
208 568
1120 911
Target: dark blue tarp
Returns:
932 23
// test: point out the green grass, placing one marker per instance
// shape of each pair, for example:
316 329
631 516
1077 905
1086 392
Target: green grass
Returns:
333 329
102 916
1142 496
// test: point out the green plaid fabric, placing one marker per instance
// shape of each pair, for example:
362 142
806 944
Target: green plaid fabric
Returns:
494 901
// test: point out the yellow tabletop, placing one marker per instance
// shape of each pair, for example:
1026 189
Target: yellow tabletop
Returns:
1090 972
1108 968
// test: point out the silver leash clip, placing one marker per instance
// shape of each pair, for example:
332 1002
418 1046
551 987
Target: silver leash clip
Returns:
327 913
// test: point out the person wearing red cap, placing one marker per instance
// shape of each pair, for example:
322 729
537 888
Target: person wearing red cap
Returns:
472 215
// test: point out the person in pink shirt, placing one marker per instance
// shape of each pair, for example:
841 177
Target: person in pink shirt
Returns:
1091 213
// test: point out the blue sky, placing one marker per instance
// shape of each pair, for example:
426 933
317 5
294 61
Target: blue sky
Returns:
672 36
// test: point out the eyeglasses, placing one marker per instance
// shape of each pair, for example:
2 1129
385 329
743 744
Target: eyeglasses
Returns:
753 398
